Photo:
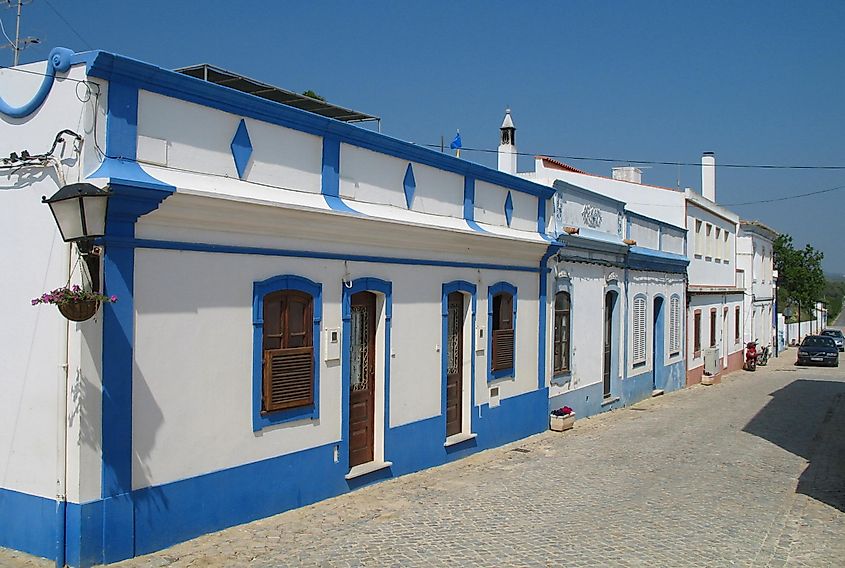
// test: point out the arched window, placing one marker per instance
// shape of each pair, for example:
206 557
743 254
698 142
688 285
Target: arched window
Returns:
562 332
288 351
639 355
503 332
674 325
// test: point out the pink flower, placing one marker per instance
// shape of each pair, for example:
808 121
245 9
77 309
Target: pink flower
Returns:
112 299
36 301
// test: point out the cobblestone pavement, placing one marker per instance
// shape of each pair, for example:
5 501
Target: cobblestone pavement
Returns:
750 472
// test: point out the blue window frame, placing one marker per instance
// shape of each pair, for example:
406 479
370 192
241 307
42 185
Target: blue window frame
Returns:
500 296
259 291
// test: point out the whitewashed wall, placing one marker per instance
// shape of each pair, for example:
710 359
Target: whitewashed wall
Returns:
705 269
193 376
645 233
36 341
651 285
198 138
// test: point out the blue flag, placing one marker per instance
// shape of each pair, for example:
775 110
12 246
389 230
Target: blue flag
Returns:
456 143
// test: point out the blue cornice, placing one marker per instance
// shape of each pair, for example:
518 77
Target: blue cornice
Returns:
641 258
116 68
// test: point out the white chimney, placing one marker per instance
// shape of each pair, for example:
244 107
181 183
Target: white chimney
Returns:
628 173
708 176
507 145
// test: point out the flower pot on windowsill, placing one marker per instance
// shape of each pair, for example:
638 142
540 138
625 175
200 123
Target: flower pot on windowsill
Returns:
561 423
79 310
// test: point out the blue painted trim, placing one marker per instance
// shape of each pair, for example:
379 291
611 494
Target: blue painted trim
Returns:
117 68
509 209
58 61
497 288
409 186
541 217
469 204
448 288
132 195
241 147
386 289
330 181
543 332
28 523
260 289
658 346
641 258
232 249
469 198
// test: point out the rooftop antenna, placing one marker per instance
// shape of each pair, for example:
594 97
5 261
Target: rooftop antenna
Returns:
20 43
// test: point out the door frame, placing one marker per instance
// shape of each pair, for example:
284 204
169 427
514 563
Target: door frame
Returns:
614 337
383 291
658 345
468 290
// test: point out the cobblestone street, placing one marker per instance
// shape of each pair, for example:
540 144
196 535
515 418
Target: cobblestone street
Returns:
750 472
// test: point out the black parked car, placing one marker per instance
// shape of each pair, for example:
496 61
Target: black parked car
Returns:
837 336
818 350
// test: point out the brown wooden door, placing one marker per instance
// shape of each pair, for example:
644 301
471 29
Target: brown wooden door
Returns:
362 392
608 339
454 363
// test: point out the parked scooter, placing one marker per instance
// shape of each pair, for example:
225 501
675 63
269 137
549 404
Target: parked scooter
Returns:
751 356
763 356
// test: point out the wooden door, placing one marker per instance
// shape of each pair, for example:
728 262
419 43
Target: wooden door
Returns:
454 364
608 338
362 393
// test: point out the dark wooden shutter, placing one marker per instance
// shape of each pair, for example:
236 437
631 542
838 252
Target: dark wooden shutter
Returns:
503 332
288 364
697 330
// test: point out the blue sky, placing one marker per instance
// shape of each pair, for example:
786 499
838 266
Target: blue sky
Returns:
755 82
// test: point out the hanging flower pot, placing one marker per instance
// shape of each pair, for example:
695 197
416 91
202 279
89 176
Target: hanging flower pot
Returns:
75 303
79 310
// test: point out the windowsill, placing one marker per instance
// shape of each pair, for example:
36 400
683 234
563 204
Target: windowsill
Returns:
266 419
639 364
610 400
366 468
562 378
696 354
458 438
502 374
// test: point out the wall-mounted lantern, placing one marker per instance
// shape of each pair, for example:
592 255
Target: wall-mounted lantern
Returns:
80 213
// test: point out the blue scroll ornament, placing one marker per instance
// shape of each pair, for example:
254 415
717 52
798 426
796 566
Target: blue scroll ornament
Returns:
59 60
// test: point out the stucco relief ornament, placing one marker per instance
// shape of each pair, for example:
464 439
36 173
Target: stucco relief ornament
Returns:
59 61
558 204
591 216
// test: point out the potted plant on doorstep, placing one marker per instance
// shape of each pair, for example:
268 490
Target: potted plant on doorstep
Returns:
562 419
74 302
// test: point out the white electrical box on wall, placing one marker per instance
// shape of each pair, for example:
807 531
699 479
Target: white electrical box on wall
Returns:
494 397
332 340
480 339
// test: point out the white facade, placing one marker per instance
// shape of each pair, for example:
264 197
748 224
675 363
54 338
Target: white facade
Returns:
118 426
755 264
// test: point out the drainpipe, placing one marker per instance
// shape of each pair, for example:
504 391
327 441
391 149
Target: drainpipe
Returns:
61 447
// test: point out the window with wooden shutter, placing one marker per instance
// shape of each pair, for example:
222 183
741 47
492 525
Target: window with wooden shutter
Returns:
674 325
737 320
639 330
697 333
503 332
713 327
288 350
561 333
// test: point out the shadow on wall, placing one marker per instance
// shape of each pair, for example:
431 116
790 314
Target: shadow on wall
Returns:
807 418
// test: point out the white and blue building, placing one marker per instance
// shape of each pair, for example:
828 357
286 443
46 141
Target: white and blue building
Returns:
304 306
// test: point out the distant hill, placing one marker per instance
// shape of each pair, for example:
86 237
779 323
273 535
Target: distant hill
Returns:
834 277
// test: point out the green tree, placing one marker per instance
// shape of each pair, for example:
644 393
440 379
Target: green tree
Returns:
801 280
313 95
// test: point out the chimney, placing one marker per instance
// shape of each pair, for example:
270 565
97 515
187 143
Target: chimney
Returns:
708 176
507 145
628 173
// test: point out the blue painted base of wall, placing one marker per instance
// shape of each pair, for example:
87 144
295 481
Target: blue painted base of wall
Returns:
587 401
28 523
175 512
